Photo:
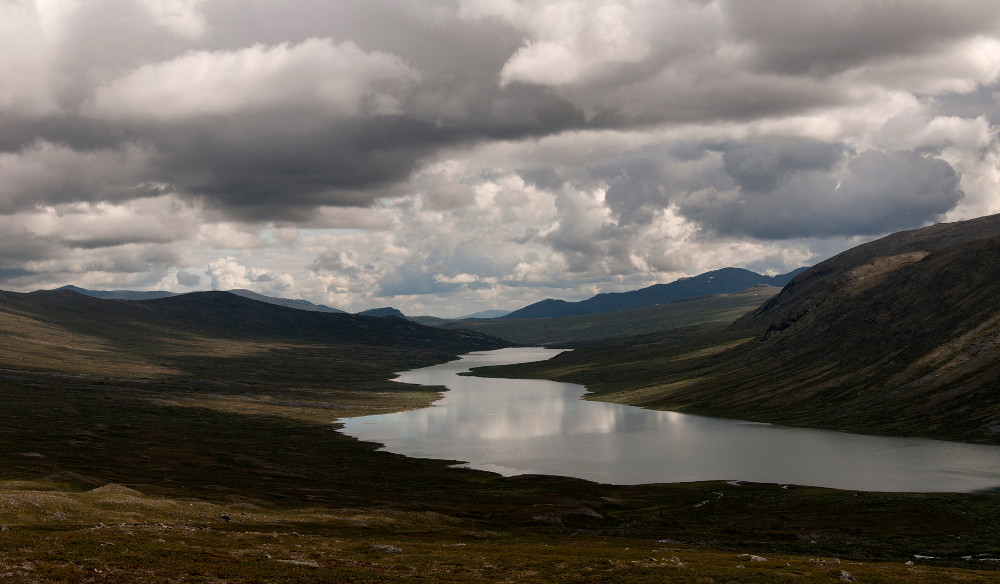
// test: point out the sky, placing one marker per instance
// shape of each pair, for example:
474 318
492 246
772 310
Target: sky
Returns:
450 156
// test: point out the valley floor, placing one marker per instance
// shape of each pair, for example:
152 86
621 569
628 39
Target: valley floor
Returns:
115 480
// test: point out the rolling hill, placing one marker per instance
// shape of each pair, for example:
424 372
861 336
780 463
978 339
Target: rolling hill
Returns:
897 336
118 294
216 334
152 295
567 330
724 281
381 312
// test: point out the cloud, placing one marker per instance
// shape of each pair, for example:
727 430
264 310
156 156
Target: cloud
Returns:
443 194
229 274
332 80
877 192
187 279
762 165
484 153
798 38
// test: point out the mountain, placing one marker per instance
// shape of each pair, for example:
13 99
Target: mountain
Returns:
215 335
381 312
299 304
485 314
133 295
721 309
897 336
724 281
119 294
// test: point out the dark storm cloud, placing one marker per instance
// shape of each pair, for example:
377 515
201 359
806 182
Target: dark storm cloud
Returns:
761 165
542 178
985 101
597 136
185 278
423 82
257 170
13 274
426 80
643 182
829 37
878 193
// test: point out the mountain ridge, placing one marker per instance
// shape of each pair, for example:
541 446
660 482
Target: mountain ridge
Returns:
154 294
715 282
215 333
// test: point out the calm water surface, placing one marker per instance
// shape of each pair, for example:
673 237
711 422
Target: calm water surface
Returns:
533 426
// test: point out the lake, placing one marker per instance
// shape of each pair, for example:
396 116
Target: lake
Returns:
526 426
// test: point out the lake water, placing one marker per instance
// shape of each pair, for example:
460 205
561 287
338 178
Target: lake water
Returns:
544 427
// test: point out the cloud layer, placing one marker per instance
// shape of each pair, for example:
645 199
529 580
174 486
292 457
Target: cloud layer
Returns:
452 156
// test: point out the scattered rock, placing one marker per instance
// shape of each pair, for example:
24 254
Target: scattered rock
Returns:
115 489
909 562
846 576
306 563
384 547
225 518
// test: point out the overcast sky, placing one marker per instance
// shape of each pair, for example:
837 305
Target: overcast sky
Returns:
446 157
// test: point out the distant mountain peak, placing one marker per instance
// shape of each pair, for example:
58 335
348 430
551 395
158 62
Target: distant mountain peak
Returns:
154 294
118 294
382 312
721 281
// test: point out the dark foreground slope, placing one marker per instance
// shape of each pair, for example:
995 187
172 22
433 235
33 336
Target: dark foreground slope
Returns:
218 335
898 336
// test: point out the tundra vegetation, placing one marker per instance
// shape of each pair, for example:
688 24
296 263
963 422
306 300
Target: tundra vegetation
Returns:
192 439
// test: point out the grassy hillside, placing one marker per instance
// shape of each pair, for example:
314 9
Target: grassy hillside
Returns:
141 445
899 336
214 335
567 330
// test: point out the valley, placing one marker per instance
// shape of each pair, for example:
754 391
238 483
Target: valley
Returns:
900 336
190 438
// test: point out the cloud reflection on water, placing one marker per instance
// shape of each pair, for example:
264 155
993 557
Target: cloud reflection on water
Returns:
534 426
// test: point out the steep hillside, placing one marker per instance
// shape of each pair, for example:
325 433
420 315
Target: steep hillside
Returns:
898 336
724 281
864 262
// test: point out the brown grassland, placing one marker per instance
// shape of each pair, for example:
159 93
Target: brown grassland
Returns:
156 453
